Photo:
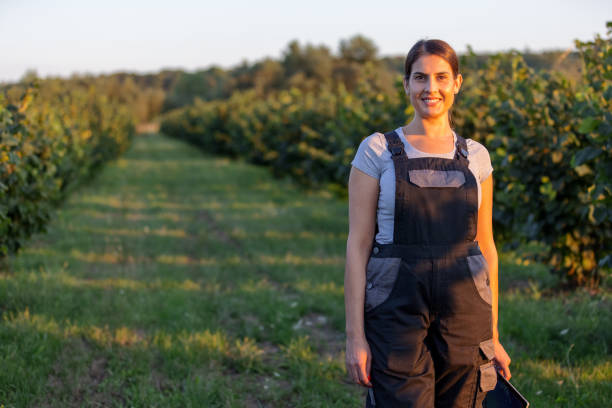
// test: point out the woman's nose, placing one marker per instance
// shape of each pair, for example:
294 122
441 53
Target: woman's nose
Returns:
430 84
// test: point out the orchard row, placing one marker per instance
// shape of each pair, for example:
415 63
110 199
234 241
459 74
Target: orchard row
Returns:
549 136
54 136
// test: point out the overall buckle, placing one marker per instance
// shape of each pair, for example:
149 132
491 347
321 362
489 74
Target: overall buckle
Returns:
396 150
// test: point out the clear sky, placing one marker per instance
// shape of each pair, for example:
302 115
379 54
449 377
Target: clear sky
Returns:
59 37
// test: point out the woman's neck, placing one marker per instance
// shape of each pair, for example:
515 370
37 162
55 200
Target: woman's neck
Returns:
435 129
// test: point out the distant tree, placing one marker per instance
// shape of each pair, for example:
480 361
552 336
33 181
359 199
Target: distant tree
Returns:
313 63
267 75
394 63
242 76
348 73
293 59
358 49
213 83
29 76
149 104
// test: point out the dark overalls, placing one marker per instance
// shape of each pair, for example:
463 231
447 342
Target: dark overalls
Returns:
428 316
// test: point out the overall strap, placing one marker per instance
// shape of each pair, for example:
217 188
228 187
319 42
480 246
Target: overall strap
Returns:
461 151
398 155
395 145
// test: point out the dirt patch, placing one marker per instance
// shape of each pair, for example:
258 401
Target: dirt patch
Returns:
263 388
71 382
148 127
215 228
97 371
327 340
159 379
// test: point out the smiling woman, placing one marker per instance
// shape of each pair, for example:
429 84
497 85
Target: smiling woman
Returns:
421 264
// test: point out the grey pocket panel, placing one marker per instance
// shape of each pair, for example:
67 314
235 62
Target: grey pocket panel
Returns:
437 178
381 274
488 348
488 377
480 273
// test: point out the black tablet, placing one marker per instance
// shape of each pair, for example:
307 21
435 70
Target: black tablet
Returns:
504 396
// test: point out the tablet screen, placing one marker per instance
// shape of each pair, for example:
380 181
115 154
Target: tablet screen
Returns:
504 396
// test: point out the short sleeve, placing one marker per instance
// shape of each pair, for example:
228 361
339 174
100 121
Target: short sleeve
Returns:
487 167
482 160
368 157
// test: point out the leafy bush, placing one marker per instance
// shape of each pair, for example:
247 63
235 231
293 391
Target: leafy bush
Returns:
550 142
306 135
48 143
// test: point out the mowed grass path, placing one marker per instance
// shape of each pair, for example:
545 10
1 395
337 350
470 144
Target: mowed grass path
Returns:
178 279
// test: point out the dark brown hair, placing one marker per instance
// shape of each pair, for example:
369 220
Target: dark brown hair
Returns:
431 47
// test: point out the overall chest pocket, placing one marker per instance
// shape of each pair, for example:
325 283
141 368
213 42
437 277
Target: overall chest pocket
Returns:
436 178
381 274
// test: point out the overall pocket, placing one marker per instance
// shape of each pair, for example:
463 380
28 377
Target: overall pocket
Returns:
488 373
381 274
488 377
477 264
436 178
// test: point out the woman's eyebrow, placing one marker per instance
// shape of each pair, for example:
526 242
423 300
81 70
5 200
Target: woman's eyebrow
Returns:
437 73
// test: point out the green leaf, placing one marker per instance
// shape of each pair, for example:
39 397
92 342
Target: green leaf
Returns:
606 261
600 214
584 155
588 125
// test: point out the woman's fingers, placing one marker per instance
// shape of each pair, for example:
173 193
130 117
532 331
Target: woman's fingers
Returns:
369 367
358 373
364 376
504 368
502 360
506 372
358 362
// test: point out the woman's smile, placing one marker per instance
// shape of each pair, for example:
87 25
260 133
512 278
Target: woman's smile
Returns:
430 102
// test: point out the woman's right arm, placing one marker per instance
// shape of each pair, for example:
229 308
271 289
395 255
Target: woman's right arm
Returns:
363 198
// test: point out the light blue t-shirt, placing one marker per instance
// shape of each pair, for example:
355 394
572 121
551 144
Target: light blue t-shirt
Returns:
374 159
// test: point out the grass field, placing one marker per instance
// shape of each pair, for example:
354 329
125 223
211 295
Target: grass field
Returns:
177 279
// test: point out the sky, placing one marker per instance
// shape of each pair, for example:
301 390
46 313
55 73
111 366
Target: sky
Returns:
62 37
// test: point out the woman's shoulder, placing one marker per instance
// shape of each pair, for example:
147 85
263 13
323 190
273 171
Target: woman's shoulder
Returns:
479 158
369 156
375 142
475 148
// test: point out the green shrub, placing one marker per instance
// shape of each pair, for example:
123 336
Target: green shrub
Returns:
47 144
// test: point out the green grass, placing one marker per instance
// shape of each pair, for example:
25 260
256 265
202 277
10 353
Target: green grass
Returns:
180 279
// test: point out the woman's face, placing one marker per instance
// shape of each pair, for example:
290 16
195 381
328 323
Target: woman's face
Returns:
432 86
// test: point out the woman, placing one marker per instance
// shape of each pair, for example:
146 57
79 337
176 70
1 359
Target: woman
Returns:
421 270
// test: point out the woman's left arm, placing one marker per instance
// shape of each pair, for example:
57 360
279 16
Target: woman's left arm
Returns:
486 242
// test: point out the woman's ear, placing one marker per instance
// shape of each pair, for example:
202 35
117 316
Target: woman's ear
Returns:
458 82
406 88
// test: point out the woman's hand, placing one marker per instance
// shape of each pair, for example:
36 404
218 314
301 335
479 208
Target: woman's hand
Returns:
358 359
502 360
